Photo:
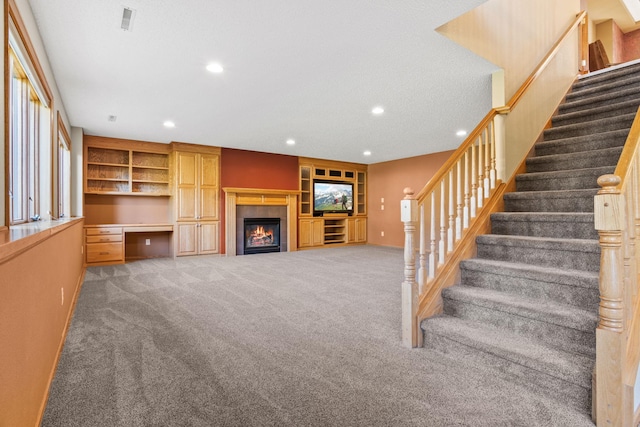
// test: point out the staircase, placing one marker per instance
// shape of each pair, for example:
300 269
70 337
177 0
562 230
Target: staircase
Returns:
528 304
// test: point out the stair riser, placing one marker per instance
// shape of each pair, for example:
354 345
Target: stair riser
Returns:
583 297
560 337
527 183
567 230
595 101
569 162
558 258
583 144
561 391
589 128
569 204
564 119
611 76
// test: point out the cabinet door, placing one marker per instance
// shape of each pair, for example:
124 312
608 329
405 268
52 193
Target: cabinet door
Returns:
208 237
351 230
317 232
187 238
186 170
361 230
209 190
304 229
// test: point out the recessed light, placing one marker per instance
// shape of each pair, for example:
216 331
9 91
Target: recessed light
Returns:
461 133
291 141
367 153
169 124
377 110
113 118
214 67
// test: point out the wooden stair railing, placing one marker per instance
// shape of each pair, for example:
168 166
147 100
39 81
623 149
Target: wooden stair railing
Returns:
617 219
454 207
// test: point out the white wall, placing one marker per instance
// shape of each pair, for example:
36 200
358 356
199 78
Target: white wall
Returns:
76 172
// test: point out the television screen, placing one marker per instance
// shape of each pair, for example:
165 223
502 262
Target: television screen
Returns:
332 196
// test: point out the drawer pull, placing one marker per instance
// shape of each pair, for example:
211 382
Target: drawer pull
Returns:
104 253
104 231
104 240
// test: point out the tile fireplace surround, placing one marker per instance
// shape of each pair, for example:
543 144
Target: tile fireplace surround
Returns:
235 197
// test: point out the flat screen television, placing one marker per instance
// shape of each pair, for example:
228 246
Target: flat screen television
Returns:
332 197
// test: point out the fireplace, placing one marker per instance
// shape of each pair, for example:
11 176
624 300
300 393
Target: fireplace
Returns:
261 235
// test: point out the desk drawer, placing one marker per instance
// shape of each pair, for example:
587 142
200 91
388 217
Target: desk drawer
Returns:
99 231
105 238
103 252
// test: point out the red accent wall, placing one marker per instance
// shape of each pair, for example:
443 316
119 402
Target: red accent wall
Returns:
253 169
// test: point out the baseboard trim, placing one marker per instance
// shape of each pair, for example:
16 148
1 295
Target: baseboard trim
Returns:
63 338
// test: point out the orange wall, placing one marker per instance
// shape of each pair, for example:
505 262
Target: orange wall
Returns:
34 318
387 180
252 169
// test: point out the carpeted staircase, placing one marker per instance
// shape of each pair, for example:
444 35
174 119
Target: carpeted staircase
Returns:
527 305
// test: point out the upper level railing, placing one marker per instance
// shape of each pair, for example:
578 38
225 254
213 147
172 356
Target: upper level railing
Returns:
617 219
444 217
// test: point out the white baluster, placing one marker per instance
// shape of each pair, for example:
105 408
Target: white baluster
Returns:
432 254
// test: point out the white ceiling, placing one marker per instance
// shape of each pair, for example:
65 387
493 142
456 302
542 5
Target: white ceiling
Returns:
301 69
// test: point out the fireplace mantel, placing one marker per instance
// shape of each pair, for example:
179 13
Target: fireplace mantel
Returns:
259 197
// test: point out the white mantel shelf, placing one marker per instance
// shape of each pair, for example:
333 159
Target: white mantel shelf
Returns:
259 197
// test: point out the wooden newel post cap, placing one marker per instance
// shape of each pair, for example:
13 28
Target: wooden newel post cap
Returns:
408 193
609 183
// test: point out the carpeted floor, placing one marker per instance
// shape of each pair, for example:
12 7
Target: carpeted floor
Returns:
309 338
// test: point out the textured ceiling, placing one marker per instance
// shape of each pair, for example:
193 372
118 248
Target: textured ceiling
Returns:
301 69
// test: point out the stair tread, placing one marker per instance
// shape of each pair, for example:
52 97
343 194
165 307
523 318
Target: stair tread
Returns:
571 367
579 142
586 245
569 173
617 122
574 156
579 278
544 216
559 194
543 311
598 109
631 81
608 74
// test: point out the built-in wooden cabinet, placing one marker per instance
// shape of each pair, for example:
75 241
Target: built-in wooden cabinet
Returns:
197 192
333 228
104 245
357 230
311 232
110 169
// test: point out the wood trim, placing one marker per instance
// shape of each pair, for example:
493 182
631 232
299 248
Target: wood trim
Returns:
63 339
6 114
22 238
636 417
124 144
260 191
194 148
309 161
62 128
628 152
14 14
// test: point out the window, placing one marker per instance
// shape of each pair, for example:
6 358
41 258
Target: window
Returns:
29 126
64 170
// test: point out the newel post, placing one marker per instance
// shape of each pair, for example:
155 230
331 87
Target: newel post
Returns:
609 210
409 215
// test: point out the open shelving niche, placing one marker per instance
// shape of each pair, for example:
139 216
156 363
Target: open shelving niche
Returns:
130 172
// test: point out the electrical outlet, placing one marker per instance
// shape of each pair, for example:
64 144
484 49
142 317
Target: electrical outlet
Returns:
61 296
382 234
147 242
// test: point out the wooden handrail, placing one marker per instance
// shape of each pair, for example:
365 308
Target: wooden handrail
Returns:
506 109
628 152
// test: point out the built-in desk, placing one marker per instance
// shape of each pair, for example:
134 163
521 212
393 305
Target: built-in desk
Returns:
105 243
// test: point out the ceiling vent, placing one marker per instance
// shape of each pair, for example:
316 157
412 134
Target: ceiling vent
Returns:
127 18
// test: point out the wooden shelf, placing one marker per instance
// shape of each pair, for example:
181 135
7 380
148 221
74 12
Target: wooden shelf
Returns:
137 172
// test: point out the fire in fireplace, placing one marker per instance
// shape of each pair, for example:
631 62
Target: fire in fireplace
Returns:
261 235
